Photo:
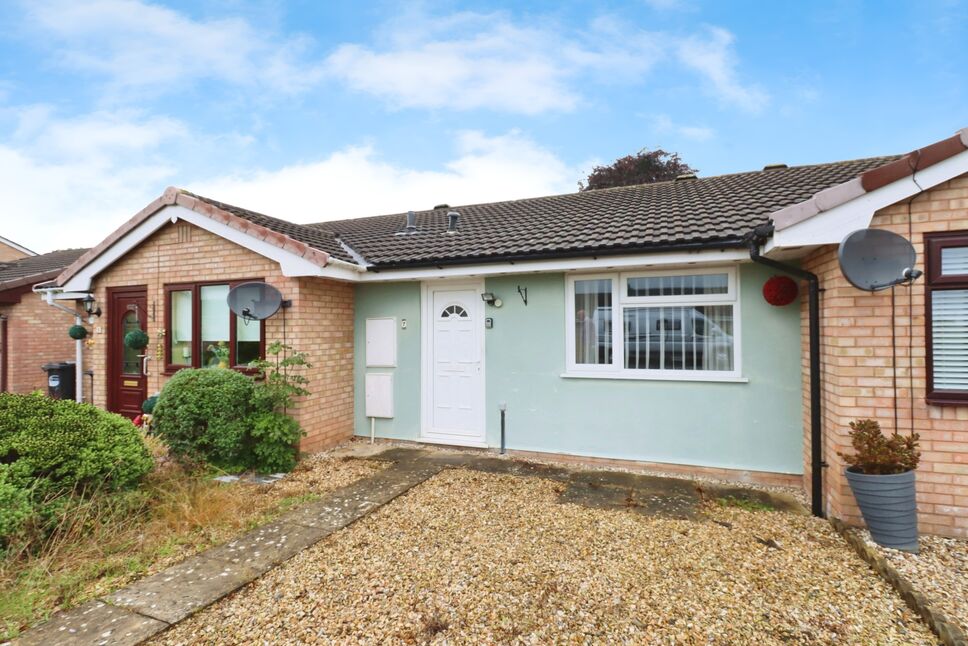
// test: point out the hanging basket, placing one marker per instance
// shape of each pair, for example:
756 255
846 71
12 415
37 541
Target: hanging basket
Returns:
77 332
136 340
780 291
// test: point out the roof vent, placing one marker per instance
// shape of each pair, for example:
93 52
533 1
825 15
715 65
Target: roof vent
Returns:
774 167
441 206
452 219
411 221
686 176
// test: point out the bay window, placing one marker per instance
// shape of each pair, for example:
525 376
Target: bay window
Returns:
202 331
946 304
671 324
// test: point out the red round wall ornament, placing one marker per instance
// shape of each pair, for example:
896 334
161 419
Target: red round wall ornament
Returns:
780 290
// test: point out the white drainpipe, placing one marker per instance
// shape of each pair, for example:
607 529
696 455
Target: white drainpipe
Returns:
48 296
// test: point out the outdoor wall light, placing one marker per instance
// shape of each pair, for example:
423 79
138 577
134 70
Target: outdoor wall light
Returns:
491 299
89 304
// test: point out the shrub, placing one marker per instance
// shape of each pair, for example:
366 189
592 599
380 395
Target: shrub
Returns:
220 417
876 453
274 437
203 416
51 447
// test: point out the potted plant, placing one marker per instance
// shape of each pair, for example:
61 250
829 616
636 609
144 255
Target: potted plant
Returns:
220 355
881 475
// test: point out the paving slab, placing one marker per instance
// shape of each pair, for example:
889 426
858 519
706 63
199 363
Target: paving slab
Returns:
267 546
361 497
179 591
94 622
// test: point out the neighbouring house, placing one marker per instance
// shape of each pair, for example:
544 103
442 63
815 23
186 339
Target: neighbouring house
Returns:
626 325
10 250
31 332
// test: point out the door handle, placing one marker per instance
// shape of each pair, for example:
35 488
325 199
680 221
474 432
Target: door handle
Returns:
144 363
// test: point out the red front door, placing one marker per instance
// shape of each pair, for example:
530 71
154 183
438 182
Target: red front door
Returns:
127 383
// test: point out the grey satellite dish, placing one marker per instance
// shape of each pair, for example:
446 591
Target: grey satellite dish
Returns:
874 259
254 301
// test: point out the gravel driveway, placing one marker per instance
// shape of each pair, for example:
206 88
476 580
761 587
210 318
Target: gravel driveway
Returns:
471 557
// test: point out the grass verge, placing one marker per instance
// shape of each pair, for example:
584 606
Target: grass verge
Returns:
103 542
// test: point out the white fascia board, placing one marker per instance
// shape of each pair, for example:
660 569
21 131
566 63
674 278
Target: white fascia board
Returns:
290 263
600 263
831 227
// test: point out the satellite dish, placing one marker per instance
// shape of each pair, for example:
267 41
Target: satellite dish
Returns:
254 301
875 259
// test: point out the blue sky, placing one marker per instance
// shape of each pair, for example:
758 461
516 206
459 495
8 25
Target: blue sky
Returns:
316 110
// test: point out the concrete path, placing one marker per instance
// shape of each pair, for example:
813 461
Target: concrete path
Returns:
150 605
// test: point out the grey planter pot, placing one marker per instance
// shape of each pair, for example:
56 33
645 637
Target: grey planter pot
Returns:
889 507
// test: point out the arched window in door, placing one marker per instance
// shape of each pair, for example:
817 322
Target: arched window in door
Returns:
454 311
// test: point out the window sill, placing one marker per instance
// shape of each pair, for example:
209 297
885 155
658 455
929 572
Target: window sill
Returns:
624 376
946 401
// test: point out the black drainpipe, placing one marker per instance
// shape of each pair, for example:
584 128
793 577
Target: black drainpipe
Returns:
817 463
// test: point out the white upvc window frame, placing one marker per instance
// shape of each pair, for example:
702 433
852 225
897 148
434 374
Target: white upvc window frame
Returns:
620 300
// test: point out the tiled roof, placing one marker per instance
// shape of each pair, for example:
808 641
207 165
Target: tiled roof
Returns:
36 269
316 237
707 211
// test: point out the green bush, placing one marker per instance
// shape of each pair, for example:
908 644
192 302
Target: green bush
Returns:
203 416
274 438
50 447
223 418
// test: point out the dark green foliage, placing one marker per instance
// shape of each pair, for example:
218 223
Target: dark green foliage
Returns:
878 454
203 416
280 381
149 404
223 418
274 437
136 340
50 447
77 332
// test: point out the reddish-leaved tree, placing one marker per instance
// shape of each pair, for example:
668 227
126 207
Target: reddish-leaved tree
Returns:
644 167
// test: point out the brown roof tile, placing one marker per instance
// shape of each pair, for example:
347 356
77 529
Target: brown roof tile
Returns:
36 269
706 211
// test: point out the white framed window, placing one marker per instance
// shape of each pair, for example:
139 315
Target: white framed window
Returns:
676 324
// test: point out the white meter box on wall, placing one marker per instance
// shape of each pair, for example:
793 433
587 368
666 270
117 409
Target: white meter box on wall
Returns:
379 395
381 343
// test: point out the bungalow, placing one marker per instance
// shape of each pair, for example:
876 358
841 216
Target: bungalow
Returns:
31 334
626 325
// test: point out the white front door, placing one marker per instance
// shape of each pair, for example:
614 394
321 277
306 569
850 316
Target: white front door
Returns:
454 403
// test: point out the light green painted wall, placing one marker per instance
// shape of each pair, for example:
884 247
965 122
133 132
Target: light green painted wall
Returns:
401 301
754 425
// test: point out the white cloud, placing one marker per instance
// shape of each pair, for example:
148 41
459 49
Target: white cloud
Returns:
663 124
715 60
155 49
467 61
460 61
470 61
356 182
70 182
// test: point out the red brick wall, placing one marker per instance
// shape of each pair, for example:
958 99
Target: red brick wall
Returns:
857 370
319 323
37 334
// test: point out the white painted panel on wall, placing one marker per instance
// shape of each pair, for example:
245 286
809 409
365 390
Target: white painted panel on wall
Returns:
379 395
381 343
